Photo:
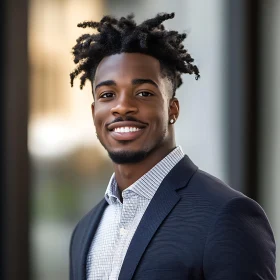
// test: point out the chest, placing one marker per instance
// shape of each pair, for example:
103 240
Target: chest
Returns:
175 252
113 237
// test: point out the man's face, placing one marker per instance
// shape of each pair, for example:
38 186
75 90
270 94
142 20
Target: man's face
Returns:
133 106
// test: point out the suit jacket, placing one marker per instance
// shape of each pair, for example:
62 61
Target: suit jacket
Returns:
194 228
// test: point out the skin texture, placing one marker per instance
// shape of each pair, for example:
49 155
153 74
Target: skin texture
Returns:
130 86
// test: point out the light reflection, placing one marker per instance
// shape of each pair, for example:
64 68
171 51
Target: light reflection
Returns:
55 138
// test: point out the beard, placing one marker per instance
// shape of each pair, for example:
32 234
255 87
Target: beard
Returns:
126 156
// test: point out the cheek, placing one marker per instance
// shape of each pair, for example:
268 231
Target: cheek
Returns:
99 116
164 112
160 116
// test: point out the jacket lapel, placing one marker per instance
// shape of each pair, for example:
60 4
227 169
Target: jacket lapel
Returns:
90 228
160 206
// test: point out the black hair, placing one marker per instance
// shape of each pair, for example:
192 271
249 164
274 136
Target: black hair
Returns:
125 36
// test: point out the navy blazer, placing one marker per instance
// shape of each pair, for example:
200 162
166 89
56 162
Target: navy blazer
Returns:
194 228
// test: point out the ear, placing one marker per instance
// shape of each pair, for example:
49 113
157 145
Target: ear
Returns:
174 108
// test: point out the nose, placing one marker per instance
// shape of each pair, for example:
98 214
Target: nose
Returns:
124 105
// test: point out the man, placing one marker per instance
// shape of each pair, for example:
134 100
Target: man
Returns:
162 217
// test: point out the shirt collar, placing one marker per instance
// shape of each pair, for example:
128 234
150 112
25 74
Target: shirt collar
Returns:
147 185
112 193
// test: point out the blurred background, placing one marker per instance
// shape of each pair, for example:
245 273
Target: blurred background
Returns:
53 169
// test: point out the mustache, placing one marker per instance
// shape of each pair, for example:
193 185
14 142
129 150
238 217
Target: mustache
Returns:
128 118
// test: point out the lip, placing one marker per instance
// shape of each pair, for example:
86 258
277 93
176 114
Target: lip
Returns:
114 125
127 136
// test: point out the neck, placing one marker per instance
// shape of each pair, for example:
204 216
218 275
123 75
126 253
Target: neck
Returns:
127 174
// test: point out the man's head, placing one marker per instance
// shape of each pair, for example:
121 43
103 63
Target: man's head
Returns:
134 71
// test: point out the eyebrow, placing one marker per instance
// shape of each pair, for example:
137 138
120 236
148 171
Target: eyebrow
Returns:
134 82
144 81
106 83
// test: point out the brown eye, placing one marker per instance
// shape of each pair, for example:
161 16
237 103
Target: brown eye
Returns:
106 95
145 94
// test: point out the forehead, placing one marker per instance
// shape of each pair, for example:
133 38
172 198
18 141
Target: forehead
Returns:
128 66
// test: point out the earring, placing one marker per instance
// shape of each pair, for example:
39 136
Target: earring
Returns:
172 121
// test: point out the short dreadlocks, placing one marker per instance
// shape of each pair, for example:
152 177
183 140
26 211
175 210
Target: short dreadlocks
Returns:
125 36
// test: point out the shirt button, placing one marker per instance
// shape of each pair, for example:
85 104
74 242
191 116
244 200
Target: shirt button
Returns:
122 231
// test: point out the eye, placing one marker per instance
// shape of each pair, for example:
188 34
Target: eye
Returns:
106 95
144 93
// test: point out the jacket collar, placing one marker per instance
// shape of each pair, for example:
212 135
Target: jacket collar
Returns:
160 206
165 198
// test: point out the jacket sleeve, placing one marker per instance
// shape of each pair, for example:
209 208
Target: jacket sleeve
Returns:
81 240
240 244
71 272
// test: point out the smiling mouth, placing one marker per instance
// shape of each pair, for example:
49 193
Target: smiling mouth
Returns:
126 129
126 133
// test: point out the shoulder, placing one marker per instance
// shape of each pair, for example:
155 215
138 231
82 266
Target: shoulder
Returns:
226 199
239 240
213 191
241 233
85 224
200 184
220 203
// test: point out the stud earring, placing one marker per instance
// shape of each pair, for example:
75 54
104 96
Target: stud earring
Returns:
172 121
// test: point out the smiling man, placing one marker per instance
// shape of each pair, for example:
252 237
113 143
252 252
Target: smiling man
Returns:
162 217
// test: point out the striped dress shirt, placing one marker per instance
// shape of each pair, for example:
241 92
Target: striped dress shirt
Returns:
120 220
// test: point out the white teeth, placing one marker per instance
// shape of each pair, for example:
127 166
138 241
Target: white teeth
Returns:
126 129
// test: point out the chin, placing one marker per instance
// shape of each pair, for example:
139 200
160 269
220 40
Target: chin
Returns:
130 152
126 157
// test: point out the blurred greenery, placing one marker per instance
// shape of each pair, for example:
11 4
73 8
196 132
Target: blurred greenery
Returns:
63 186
